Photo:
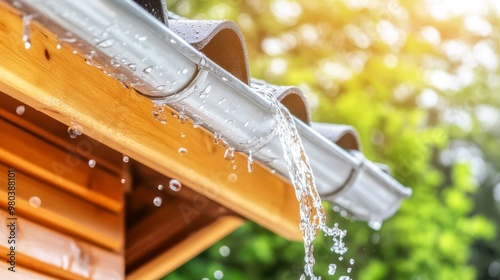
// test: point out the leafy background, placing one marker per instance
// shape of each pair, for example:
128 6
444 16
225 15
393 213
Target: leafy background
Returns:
419 81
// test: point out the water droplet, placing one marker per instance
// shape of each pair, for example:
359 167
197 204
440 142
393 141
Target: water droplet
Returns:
375 224
132 66
204 93
75 130
246 123
224 251
203 62
229 154
148 69
250 162
125 158
106 43
92 163
27 31
141 38
58 46
344 278
157 201
175 185
341 258
349 270
35 201
158 113
332 268
218 274
182 151
123 181
183 135
182 118
351 261
160 187
232 178
221 101
20 110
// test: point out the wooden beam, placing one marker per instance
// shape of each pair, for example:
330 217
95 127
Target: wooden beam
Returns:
66 170
21 273
56 133
63 86
59 255
64 211
186 249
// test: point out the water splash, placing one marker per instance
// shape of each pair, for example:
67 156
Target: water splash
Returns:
332 268
312 214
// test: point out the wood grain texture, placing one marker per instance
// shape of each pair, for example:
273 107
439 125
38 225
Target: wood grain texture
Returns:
66 88
22 273
56 254
69 171
183 251
64 211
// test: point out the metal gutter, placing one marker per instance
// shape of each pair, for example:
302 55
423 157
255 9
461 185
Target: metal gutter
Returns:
134 47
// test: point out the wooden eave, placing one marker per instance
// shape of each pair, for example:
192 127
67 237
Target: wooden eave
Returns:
62 86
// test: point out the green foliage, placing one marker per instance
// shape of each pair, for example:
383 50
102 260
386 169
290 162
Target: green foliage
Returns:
381 68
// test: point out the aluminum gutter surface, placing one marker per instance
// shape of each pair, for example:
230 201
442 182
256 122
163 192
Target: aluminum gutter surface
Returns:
134 47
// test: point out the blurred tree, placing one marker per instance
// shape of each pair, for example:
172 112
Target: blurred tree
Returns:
417 80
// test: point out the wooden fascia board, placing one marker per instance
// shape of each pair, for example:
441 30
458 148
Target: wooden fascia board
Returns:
61 85
185 250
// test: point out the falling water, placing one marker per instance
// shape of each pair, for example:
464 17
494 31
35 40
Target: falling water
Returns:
20 110
312 214
27 31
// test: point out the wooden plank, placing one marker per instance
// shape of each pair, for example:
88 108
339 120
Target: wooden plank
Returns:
56 133
59 168
188 248
21 273
178 217
53 251
64 87
64 211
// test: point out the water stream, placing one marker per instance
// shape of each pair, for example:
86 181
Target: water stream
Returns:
312 213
